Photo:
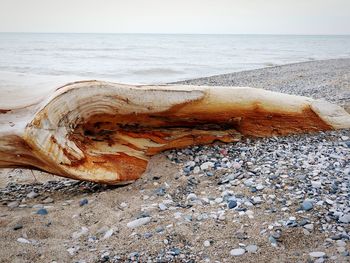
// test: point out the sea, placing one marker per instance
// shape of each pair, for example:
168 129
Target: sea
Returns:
29 59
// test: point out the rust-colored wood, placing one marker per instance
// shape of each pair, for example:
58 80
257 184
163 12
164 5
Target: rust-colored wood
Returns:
105 132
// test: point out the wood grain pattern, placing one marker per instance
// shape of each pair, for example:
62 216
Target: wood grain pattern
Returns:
106 132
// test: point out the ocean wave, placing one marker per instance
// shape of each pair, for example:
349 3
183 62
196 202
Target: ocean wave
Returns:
157 71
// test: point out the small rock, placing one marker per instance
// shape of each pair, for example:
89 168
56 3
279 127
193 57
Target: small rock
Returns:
147 235
159 229
191 197
17 227
108 234
207 165
139 222
345 218
196 170
23 240
125 205
32 194
13 204
252 248
329 202
341 243
84 230
273 241
317 254
309 227
259 187
219 200
316 184
42 211
160 191
48 200
206 243
72 250
162 207
232 204
307 205
83 202
237 252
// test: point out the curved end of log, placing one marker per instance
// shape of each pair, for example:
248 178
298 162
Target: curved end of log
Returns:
106 133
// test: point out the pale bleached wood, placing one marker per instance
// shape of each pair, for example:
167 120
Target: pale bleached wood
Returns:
106 132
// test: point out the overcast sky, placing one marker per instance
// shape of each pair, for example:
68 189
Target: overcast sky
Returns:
177 16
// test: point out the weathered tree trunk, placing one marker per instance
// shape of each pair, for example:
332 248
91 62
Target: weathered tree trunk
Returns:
105 132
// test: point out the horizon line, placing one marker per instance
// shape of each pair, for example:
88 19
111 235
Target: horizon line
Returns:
158 33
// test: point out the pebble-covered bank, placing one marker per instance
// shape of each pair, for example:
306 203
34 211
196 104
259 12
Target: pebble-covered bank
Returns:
279 199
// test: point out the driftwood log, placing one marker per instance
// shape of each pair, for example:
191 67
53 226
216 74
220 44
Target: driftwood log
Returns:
106 132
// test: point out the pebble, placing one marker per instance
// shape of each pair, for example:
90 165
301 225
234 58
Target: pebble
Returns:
83 231
83 202
232 204
48 200
316 184
207 165
317 254
259 187
42 211
13 204
206 243
345 219
307 205
252 248
23 240
309 227
341 243
237 252
32 194
108 234
257 200
191 197
17 227
162 207
139 222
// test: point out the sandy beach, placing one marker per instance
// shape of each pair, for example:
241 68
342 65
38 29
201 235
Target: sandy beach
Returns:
284 199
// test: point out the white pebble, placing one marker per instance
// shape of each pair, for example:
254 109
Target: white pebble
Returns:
237 252
317 254
139 222
23 240
206 243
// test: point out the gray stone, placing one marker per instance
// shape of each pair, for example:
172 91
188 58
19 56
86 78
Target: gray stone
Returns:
83 202
307 205
232 204
48 200
162 207
317 254
316 184
108 234
252 248
13 204
23 240
42 211
139 222
206 243
309 226
207 165
237 252
191 197
32 194
345 218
